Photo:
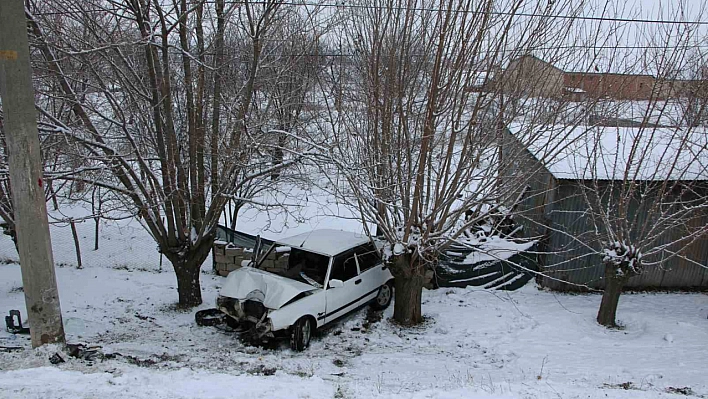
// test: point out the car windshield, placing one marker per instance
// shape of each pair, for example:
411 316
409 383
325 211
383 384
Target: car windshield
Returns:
304 266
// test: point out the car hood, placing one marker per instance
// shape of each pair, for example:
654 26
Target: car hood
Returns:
278 290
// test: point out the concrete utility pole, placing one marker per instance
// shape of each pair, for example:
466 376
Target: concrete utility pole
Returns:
35 247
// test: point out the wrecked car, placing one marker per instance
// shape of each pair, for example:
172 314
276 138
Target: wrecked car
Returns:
322 276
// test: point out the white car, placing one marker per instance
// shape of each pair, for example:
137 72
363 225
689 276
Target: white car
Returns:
328 273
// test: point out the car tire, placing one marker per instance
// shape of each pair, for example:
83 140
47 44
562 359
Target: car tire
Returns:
209 317
232 323
383 298
301 334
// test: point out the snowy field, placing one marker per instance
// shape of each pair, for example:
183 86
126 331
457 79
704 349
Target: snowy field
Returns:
474 344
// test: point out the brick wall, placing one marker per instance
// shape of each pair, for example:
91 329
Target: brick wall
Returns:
613 85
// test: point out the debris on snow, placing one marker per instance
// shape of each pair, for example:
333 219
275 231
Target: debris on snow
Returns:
56 358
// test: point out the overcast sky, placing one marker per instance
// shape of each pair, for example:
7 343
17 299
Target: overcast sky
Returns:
635 46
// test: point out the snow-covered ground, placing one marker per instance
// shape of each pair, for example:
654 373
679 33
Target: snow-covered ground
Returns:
475 344
125 244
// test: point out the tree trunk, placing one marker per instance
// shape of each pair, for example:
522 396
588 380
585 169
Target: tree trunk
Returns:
188 286
9 229
187 269
53 195
278 152
216 113
234 216
408 291
610 298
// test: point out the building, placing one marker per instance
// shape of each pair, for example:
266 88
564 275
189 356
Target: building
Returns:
530 76
612 85
549 166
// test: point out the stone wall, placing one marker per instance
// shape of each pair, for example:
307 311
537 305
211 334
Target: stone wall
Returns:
277 260
228 257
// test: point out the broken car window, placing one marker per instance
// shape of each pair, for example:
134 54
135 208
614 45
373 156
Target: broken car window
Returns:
368 256
343 267
308 267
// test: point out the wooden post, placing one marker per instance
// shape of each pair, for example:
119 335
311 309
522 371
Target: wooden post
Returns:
97 221
162 220
35 247
76 242
96 215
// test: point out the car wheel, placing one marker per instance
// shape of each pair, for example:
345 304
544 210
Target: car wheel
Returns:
383 298
301 333
209 317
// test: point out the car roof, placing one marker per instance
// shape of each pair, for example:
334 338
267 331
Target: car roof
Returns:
325 241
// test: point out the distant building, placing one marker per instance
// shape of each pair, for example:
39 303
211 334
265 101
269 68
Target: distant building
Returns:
575 94
679 88
531 77
549 168
612 85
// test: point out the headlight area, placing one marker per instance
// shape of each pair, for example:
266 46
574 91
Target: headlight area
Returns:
230 306
251 315
257 314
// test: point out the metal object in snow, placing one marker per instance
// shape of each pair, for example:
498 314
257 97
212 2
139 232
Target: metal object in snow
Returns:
14 323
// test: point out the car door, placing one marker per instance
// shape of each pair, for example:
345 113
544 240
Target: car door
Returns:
343 299
371 269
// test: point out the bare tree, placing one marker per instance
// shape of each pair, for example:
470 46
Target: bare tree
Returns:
643 181
154 88
418 141
646 201
290 70
52 159
692 91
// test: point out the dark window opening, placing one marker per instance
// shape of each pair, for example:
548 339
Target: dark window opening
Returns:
344 267
307 267
367 256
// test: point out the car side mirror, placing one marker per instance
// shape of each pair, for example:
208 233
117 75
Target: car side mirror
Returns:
336 283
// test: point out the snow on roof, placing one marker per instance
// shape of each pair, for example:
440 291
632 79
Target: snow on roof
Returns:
606 153
326 241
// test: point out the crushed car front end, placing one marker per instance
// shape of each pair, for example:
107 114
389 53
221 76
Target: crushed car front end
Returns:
262 305
250 315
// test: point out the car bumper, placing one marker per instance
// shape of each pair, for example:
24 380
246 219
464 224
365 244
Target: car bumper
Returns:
257 327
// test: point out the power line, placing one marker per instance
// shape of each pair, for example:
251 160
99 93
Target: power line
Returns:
473 12
422 9
49 13
352 6
524 50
